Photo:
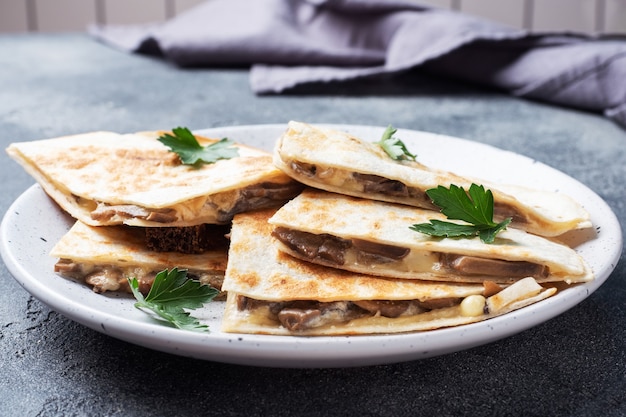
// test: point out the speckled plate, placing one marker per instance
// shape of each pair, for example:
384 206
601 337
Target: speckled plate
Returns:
34 223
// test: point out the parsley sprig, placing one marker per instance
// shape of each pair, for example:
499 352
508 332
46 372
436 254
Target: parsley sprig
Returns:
171 293
185 144
474 207
394 147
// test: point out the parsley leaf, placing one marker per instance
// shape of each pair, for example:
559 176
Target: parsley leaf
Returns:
171 293
474 207
185 144
394 147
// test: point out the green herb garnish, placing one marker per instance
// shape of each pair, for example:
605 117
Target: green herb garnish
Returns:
474 207
394 147
170 294
185 144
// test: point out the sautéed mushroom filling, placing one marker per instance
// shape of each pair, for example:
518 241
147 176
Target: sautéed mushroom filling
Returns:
335 251
390 188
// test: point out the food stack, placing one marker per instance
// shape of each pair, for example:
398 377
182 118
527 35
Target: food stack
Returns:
359 251
329 235
140 208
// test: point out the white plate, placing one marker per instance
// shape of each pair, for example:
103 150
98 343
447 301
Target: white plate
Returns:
33 224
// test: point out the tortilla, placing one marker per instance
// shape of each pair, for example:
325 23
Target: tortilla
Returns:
336 161
270 292
105 178
374 237
104 257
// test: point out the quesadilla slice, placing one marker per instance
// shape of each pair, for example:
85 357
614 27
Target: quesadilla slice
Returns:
105 179
374 237
271 292
339 162
104 257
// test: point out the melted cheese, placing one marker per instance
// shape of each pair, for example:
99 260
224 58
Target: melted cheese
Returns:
109 277
414 262
261 320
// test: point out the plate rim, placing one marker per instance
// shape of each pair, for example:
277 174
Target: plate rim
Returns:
296 351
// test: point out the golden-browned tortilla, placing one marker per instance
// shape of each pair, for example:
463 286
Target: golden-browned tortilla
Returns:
261 280
105 178
336 161
104 257
376 239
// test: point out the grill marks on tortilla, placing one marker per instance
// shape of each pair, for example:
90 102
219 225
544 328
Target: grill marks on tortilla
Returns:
332 250
385 187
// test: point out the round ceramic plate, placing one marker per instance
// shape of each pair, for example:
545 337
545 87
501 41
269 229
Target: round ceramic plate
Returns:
34 223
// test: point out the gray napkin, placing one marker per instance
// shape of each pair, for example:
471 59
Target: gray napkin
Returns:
287 43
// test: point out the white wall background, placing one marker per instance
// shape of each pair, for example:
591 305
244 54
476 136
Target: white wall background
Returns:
591 16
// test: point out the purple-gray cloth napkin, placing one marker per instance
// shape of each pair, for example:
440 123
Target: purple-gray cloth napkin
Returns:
291 42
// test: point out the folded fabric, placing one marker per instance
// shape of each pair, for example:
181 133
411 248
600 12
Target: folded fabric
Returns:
291 42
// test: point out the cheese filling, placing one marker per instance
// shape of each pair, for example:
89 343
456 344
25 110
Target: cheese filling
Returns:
216 208
302 315
356 183
356 254
109 277
360 183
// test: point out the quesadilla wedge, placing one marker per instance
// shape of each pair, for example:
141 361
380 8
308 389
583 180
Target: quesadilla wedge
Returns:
270 292
105 179
104 257
336 161
374 237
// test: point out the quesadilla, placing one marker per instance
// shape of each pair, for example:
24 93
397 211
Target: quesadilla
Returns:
374 237
339 162
104 257
271 292
105 179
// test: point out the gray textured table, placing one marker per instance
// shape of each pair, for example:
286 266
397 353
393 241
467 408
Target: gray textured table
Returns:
51 85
